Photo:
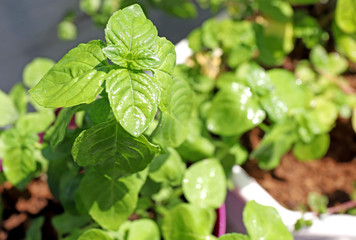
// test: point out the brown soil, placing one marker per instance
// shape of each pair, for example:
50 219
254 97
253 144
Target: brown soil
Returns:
20 207
333 175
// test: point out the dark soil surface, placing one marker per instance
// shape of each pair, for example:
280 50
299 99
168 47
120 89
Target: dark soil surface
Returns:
333 175
20 207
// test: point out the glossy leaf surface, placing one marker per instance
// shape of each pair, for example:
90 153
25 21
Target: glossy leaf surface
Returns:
132 39
108 142
75 79
234 111
188 222
133 99
173 126
110 196
204 184
264 222
289 90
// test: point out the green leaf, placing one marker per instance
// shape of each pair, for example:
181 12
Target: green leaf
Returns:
234 236
75 79
274 41
312 150
289 90
173 128
308 29
35 70
179 8
109 142
34 230
90 7
256 78
188 222
234 111
133 99
57 132
139 59
277 9
66 223
144 229
275 144
345 43
317 202
67 31
132 39
302 2
163 73
8 110
331 63
264 222
19 162
35 122
96 234
110 196
196 146
19 97
167 168
204 184
345 15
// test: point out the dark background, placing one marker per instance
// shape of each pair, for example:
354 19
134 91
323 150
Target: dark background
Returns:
28 29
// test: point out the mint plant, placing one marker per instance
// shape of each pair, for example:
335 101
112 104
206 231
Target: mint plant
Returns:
137 148
21 131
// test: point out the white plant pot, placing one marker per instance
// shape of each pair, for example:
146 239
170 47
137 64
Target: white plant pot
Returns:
325 227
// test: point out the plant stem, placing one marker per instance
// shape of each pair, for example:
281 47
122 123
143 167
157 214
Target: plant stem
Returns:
342 207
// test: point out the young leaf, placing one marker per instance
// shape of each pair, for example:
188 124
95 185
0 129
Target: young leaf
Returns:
312 150
67 31
35 70
264 222
8 110
131 39
144 229
204 184
167 168
111 197
277 9
35 122
345 15
19 97
274 144
109 142
188 222
317 202
75 79
133 99
96 234
345 43
19 162
331 63
173 128
234 111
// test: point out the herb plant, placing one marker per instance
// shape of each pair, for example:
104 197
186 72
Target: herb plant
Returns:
127 142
